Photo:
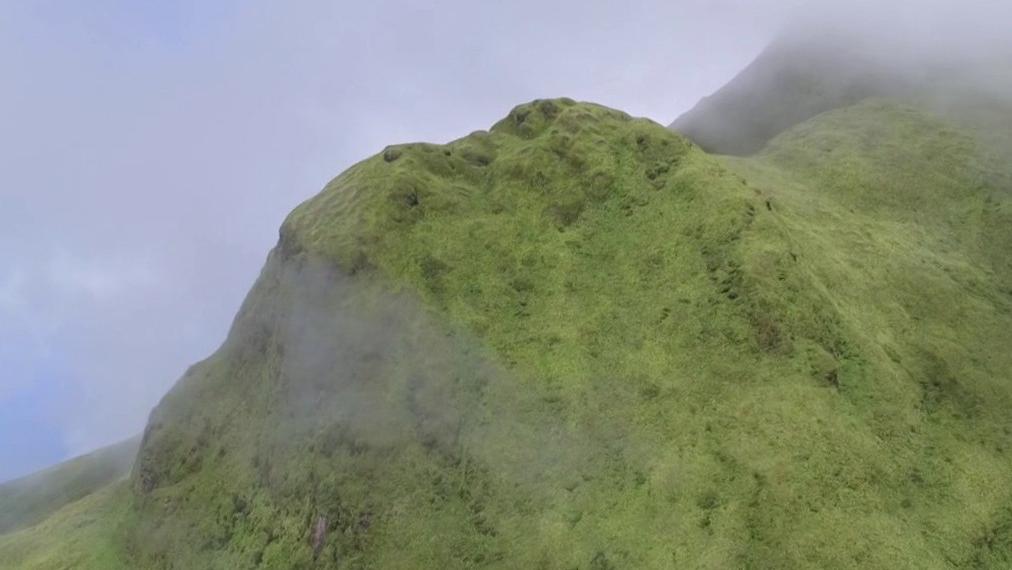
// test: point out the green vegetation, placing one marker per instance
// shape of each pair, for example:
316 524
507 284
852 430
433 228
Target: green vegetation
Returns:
578 341
28 500
645 360
907 223
82 534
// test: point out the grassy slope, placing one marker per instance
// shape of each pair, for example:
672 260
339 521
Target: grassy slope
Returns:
82 534
579 342
68 516
28 500
668 364
907 222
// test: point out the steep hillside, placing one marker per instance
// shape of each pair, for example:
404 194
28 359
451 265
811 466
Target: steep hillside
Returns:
28 500
70 515
907 221
578 341
583 264
87 534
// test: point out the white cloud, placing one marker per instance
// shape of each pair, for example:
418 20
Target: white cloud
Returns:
101 279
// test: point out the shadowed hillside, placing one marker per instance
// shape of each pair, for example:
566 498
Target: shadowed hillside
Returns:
70 515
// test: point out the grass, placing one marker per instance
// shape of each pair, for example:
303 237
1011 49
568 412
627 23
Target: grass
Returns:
905 221
81 534
578 341
26 501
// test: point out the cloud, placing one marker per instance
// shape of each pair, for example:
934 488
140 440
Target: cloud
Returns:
12 285
99 280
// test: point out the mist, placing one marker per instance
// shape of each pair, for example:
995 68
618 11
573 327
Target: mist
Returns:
151 151
945 58
928 42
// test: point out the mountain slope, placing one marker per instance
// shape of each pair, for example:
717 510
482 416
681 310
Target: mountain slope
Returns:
26 501
86 533
517 241
70 515
580 334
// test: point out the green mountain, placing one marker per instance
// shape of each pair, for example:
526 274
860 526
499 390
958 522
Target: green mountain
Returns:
577 340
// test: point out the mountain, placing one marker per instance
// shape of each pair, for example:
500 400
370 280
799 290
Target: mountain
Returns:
578 340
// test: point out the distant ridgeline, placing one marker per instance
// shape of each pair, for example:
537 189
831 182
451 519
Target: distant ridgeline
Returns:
577 340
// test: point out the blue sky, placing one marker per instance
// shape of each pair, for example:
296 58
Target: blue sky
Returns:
152 148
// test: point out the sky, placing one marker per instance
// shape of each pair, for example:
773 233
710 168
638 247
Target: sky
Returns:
151 148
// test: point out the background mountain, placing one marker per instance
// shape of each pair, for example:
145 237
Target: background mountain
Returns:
26 501
577 340
794 79
803 74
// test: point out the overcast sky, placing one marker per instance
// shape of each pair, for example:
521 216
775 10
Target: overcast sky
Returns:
151 148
